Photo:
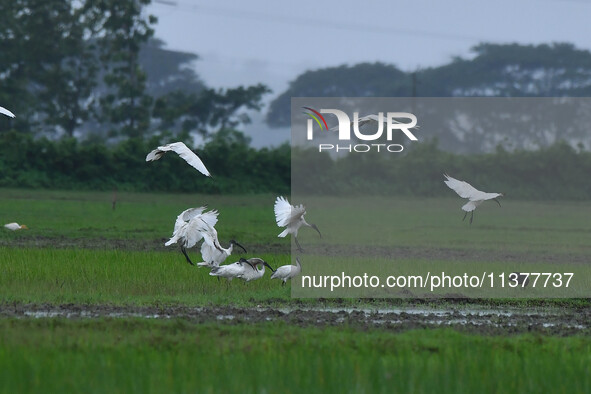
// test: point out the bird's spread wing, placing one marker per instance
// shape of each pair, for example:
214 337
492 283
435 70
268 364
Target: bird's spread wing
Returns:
210 218
185 216
6 112
183 151
464 189
285 213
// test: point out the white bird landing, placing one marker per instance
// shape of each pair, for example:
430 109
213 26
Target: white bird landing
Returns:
286 272
185 153
212 252
369 119
187 227
15 226
292 218
6 112
475 197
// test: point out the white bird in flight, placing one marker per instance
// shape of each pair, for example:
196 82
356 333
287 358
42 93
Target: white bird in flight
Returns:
187 227
6 112
475 197
181 149
15 226
212 252
292 218
286 272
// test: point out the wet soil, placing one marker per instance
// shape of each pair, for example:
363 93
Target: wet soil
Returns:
425 253
477 320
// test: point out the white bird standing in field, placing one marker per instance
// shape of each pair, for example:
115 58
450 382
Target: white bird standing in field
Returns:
185 153
292 218
187 227
15 226
286 272
231 271
258 269
475 197
212 252
6 112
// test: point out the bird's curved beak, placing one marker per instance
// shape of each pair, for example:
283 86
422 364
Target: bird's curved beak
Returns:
267 265
243 260
316 228
498 202
24 227
240 246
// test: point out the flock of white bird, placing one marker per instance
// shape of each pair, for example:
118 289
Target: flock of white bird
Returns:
196 224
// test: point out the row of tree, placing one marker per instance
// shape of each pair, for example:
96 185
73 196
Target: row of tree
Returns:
494 70
557 172
68 164
81 67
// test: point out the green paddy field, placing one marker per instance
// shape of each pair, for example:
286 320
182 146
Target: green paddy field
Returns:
80 254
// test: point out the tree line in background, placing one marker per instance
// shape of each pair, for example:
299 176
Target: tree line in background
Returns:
557 172
80 68
494 70
94 92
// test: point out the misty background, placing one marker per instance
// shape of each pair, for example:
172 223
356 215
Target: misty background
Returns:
96 84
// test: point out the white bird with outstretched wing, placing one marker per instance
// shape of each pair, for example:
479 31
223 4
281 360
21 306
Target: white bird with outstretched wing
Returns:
6 112
292 218
212 253
475 197
187 227
183 151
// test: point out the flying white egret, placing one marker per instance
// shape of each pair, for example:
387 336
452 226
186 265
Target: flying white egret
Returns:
369 119
475 197
231 271
15 226
187 227
286 272
292 218
212 252
6 112
181 149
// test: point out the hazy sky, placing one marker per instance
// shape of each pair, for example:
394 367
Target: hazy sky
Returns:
246 42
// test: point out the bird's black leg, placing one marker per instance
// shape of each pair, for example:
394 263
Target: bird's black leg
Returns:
465 216
298 245
471 217
282 283
186 255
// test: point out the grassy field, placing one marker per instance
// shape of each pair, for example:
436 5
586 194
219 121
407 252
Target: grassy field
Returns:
52 355
80 251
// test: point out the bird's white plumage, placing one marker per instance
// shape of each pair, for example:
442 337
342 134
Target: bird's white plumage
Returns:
465 190
231 271
188 225
286 272
183 151
6 112
15 226
287 215
253 274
